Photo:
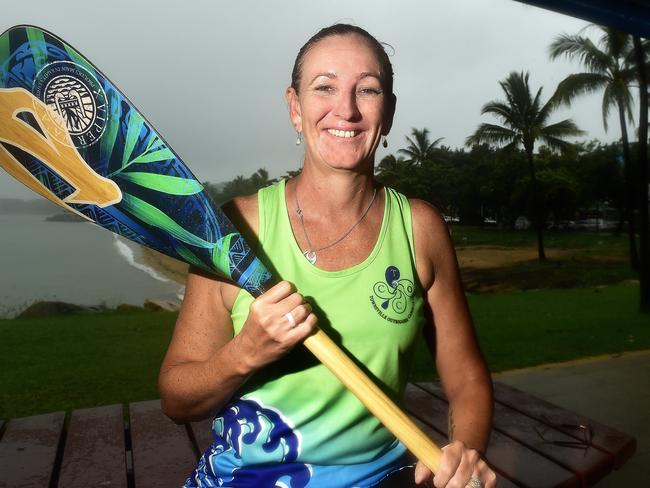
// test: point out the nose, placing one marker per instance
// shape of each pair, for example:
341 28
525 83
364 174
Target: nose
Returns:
347 107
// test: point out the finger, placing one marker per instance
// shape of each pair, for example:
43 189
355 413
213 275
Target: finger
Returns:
468 468
484 473
288 303
449 462
278 292
304 329
422 473
300 313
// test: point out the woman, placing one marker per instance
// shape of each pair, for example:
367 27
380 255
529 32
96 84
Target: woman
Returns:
377 268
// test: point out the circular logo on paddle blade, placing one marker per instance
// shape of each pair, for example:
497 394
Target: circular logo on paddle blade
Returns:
76 98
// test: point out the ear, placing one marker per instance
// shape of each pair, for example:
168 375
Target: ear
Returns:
294 108
391 103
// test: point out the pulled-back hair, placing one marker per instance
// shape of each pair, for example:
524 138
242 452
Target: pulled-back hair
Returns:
344 30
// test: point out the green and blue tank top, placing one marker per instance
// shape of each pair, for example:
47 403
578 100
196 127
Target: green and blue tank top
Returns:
294 424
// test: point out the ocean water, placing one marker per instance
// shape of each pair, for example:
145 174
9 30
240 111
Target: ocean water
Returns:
72 262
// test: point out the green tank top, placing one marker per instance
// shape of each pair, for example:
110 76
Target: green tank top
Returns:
374 310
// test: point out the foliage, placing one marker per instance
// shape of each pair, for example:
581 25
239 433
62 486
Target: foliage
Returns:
221 193
525 121
485 182
524 118
609 66
420 149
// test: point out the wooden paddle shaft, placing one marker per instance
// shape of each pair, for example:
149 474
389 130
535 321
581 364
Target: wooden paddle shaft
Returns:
379 404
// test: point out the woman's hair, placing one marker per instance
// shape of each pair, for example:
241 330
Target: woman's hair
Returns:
343 30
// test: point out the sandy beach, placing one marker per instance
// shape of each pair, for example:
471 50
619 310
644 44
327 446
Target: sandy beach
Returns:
170 268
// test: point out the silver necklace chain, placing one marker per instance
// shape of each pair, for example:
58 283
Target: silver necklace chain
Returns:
310 253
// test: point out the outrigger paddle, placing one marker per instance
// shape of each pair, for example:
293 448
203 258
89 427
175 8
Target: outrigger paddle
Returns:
70 135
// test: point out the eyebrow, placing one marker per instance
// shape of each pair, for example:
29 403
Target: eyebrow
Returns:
364 74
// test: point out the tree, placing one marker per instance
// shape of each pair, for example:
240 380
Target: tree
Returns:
525 122
223 192
640 53
608 67
420 148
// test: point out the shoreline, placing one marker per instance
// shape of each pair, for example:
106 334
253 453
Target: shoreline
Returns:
170 268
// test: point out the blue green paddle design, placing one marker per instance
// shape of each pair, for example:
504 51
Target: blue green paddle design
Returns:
68 133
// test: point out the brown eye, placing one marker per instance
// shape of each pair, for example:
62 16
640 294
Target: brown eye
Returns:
324 88
369 91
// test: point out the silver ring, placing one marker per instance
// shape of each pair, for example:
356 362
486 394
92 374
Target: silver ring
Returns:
475 483
290 319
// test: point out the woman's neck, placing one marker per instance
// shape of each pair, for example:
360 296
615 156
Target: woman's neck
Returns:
333 194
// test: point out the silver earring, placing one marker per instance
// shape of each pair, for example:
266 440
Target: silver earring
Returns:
384 141
299 139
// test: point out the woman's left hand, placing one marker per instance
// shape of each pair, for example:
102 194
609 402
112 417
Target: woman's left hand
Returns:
458 465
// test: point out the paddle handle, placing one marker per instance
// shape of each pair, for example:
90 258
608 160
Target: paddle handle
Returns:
379 404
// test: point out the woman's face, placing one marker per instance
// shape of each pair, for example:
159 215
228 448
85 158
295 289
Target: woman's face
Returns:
341 108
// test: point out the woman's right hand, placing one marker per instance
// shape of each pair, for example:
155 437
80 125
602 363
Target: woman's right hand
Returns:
269 333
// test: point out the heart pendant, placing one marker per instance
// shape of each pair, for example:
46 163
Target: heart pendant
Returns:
311 256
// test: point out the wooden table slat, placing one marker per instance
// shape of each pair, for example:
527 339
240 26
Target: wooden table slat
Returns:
506 455
28 450
163 454
202 431
94 449
590 464
621 446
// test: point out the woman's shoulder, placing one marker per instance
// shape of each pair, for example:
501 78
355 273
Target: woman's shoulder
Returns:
432 240
243 212
427 219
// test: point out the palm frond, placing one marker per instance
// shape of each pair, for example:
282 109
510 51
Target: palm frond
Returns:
581 48
562 129
616 43
609 100
556 143
578 84
492 134
433 145
499 109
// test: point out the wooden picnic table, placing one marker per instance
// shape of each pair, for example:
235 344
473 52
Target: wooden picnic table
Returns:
533 444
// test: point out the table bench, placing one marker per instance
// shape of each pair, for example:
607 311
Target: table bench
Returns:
533 444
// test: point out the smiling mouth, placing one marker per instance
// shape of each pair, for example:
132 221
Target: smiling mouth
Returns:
346 134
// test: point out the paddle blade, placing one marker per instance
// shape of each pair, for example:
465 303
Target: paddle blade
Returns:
69 134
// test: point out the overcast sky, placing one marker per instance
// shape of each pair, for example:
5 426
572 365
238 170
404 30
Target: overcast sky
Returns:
210 76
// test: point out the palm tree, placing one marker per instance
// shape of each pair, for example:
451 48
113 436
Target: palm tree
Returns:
524 119
641 53
608 67
420 148
391 170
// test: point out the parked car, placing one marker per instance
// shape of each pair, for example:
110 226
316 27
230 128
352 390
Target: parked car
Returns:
522 223
489 221
451 219
596 224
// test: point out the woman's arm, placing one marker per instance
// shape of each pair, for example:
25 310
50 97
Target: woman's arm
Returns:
461 366
203 366
206 363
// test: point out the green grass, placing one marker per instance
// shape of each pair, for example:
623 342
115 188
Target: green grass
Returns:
79 361
522 329
88 360
604 242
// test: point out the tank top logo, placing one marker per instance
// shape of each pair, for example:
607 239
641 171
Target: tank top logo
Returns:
392 299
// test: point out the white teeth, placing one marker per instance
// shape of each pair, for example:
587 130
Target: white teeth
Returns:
342 133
